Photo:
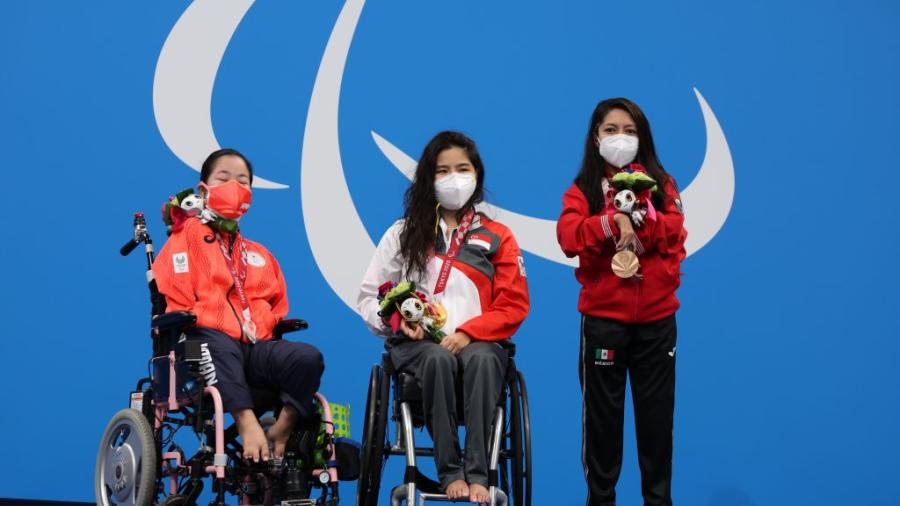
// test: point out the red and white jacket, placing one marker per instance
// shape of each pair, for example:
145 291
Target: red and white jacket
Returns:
593 239
486 294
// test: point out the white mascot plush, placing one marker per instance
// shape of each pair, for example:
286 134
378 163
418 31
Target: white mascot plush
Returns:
192 204
412 310
626 202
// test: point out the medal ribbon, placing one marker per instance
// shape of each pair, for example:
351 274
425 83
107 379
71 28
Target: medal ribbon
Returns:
239 274
452 250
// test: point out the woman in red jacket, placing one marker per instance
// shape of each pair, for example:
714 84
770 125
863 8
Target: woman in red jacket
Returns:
236 289
628 322
472 265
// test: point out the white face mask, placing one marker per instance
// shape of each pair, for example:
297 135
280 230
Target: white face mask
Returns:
454 191
619 150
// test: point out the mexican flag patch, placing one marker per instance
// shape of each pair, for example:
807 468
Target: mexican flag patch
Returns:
604 354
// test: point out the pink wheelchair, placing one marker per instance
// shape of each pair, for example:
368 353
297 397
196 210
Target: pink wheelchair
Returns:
140 462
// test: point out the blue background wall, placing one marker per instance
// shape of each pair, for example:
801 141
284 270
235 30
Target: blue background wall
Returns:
788 346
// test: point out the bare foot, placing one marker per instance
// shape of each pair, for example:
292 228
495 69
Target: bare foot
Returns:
280 431
457 489
478 494
253 439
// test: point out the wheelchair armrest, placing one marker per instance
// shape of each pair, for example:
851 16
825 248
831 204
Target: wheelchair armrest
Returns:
175 321
287 326
509 346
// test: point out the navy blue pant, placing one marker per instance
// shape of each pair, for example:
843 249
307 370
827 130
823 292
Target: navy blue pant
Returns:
292 369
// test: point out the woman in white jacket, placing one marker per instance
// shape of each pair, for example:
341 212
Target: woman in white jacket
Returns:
473 266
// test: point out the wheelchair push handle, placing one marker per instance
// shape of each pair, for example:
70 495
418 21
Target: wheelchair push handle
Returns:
128 247
140 235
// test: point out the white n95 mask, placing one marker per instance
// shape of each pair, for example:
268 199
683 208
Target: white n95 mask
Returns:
619 150
455 190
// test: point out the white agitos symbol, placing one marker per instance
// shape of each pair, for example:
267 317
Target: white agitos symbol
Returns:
182 89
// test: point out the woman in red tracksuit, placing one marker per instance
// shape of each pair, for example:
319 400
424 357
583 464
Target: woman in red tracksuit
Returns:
628 324
235 288
472 265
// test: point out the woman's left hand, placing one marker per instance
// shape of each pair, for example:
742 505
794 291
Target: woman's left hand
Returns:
455 342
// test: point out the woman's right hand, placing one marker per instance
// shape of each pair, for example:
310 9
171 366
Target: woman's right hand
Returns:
414 331
627 237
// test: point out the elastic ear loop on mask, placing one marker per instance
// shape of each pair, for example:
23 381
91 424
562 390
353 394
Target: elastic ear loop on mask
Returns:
437 219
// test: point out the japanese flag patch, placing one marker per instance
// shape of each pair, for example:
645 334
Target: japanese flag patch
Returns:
255 259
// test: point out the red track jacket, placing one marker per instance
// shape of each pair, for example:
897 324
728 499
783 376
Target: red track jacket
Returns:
193 275
593 239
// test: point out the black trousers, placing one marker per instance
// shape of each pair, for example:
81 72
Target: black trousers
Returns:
611 351
292 369
482 367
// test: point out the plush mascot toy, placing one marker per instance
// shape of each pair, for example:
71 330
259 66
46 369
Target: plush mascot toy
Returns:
186 204
631 191
401 301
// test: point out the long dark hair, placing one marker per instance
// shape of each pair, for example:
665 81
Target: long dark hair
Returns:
417 240
210 163
593 166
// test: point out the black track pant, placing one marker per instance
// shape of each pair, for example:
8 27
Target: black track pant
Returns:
610 351
292 369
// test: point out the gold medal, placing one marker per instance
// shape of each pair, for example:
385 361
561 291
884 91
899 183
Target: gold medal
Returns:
625 264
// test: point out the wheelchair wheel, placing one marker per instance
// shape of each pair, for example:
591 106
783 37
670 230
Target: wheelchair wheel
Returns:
527 472
519 466
125 473
373 444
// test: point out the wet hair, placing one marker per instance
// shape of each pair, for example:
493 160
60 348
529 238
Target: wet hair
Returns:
210 163
594 167
417 240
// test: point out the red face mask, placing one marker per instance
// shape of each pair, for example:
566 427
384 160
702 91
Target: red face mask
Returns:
229 200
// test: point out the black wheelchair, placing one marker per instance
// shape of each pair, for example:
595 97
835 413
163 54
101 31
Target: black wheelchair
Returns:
509 466
139 462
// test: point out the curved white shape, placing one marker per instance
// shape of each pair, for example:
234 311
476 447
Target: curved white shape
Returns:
185 75
536 235
340 243
707 200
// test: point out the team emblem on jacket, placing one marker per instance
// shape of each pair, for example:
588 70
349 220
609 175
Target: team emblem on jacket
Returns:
479 240
255 259
180 262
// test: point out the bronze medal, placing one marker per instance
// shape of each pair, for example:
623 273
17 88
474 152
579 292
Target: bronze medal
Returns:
625 264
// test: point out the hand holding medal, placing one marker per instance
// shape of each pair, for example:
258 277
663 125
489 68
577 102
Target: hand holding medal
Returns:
625 263
630 192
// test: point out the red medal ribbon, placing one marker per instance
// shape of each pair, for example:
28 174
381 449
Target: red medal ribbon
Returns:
239 274
452 250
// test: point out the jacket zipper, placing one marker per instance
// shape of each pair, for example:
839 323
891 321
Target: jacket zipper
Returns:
228 293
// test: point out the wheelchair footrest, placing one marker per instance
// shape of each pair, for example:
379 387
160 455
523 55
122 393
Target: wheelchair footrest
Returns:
425 497
299 502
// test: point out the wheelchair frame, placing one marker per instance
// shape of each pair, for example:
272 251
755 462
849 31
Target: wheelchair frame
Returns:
510 471
142 435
